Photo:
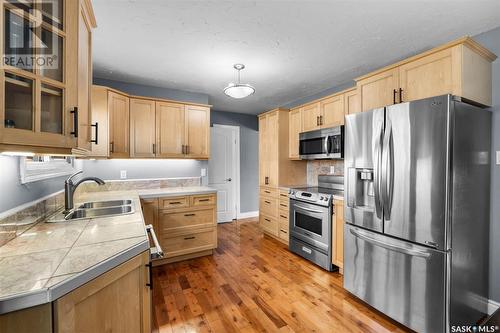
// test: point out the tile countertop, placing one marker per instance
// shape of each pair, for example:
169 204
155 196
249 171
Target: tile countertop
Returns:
51 259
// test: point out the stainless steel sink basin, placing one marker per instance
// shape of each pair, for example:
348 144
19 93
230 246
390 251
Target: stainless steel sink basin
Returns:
99 212
101 204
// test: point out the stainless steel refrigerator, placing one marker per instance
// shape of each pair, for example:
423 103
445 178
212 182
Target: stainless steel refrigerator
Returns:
417 203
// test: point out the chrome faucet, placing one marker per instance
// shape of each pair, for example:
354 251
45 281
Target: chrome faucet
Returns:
70 188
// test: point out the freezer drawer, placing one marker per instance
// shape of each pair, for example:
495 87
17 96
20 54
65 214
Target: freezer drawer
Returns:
402 280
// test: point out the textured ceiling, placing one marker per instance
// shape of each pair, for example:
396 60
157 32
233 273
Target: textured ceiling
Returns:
291 49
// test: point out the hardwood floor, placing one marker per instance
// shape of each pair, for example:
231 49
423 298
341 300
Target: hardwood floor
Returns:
252 283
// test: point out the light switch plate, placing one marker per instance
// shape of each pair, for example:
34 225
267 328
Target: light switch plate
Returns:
498 157
203 172
123 174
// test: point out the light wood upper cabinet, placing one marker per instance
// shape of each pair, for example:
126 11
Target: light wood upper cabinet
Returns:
461 68
294 130
310 117
263 148
379 90
116 301
351 102
118 108
142 128
332 111
46 109
170 128
197 123
272 148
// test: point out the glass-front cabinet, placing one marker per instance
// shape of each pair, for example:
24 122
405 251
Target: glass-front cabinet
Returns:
40 75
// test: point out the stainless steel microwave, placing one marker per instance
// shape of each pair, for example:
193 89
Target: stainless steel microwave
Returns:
327 143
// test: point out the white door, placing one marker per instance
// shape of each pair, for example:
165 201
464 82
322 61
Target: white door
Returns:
222 169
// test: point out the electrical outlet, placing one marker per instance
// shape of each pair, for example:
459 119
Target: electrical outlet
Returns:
203 172
123 174
332 169
498 157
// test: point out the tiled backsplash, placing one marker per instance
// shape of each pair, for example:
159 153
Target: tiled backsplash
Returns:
322 167
24 217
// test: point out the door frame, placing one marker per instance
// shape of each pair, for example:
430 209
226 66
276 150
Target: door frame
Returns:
236 166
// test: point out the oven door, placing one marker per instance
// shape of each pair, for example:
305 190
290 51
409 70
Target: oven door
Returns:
311 224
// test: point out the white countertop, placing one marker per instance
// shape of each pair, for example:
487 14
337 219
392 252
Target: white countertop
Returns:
174 191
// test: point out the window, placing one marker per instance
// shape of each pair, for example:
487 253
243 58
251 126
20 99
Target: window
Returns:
37 168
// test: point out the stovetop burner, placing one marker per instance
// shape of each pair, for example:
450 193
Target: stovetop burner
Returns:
320 190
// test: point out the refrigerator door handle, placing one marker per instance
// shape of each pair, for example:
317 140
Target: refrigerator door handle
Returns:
391 247
387 170
377 152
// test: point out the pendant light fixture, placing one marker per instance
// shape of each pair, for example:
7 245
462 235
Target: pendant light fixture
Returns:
239 90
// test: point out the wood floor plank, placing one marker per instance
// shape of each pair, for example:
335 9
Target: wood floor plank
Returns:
252 283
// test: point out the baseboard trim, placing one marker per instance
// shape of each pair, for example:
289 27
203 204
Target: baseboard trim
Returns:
247 215
492 306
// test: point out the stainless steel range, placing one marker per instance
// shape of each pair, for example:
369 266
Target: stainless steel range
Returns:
311 220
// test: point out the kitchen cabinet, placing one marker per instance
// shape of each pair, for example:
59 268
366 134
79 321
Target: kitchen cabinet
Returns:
338 235
187 225
142 128
310 117
170 128
46 109
283 214
379 90
197 122
119 117
294 129
461 67
34 319
275 167
351 100
100 121
332 111
116 301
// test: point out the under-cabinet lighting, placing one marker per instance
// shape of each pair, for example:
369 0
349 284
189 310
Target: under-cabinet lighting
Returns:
18 153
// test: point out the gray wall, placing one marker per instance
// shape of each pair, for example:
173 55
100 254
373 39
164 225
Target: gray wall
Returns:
491 40
150 91
13 193
249 155
144 168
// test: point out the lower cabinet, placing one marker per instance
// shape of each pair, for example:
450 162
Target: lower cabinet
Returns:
186 226
273 216
116 301
338 235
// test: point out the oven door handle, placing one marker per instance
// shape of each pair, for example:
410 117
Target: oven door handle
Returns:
156 251
308 209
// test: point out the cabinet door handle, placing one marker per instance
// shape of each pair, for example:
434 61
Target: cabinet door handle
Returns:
394 92
317 120
400 95
191 237
189 214
112 147
96 140
321 120
154 149
266 181
75 121
150 269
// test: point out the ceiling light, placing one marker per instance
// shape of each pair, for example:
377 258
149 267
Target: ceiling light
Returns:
239 90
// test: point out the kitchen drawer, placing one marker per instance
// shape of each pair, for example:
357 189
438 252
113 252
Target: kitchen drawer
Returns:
196 241
283 204
173 203
283 234
173 221
269 224
269 192
269 206
203 200
283 220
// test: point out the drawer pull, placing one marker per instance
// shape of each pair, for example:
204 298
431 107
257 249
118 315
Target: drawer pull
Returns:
284 231
283 216
268 220
283 205
189 214
175 203
203 200
188 238
267 202
267 192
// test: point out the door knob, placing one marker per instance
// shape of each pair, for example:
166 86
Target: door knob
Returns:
229 179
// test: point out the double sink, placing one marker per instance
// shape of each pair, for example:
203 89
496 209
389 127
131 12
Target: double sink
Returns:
95 209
